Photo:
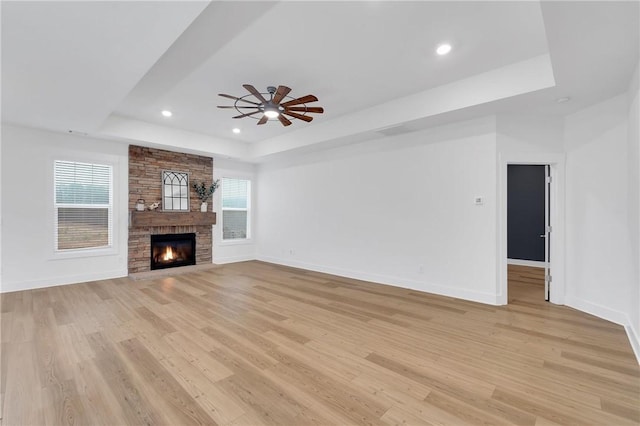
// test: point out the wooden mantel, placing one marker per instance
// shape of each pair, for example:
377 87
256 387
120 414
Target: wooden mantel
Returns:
159 218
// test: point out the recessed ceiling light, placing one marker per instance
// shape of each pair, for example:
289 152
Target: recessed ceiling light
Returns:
443 49
563 100
167 113
236 130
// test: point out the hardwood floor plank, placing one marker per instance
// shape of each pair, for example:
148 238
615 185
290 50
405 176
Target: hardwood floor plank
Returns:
358 407
256 392
175 398
242 349
553 409
99 289
6 327
23 402
61 313
454 395
494 369
629 412
611 366
197 357
218 404
159 325
537 409
254 343
426 413
102 406
470 414
565 341
155 296
69 409
8 301
397 417
584 376
135 403
390 392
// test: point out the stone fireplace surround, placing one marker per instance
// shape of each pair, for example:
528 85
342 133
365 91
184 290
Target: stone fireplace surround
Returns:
145 168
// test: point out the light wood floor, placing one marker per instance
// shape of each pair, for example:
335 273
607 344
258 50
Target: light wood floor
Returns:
526 284
253 343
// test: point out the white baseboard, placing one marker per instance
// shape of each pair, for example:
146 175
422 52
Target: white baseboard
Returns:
11 286
465 294
597 310
634 339
232 259
522 262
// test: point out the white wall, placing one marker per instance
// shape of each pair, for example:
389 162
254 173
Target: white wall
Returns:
28 259
599 268
241 250
398 210
528 133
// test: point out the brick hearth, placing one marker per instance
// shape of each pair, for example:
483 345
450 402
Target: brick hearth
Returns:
145 169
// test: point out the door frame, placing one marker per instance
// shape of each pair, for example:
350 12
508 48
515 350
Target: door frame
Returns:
556 161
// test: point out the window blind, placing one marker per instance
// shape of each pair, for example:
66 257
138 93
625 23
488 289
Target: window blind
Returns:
83 205
236 195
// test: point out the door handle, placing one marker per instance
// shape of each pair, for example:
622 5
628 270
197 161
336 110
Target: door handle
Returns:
543 236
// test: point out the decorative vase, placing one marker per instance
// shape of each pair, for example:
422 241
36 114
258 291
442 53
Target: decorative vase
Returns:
203 207
140 205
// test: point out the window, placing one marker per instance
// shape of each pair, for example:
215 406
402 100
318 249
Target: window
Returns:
175 191
236 204
83 205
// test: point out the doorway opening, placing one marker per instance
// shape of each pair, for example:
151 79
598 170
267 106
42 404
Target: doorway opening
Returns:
553 242
528 232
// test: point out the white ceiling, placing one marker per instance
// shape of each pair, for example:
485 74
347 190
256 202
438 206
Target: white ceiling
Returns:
68 65
109 68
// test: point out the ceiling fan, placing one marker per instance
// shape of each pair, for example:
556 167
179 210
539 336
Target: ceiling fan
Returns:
273 107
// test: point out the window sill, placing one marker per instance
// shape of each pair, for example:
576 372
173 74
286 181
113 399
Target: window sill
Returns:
237 242
81 253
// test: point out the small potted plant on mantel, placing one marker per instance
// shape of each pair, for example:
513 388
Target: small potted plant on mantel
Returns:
205 193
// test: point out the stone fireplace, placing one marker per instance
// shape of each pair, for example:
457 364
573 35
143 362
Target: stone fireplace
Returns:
145 171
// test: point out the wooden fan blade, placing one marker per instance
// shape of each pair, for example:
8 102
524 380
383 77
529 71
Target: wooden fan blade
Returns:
235 98
280 94
263 120
302 100
298 116
255 93
319 110
234 107
247 114
284 120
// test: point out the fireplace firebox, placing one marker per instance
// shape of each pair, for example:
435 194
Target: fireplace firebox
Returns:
172 250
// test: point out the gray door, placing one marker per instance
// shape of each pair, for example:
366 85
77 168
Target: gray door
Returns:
526 206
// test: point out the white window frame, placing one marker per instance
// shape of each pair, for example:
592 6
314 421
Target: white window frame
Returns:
248 209
86 251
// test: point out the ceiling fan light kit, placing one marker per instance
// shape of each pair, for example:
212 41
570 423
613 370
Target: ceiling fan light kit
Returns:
273 108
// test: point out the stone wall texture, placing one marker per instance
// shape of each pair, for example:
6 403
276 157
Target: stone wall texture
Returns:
145 172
